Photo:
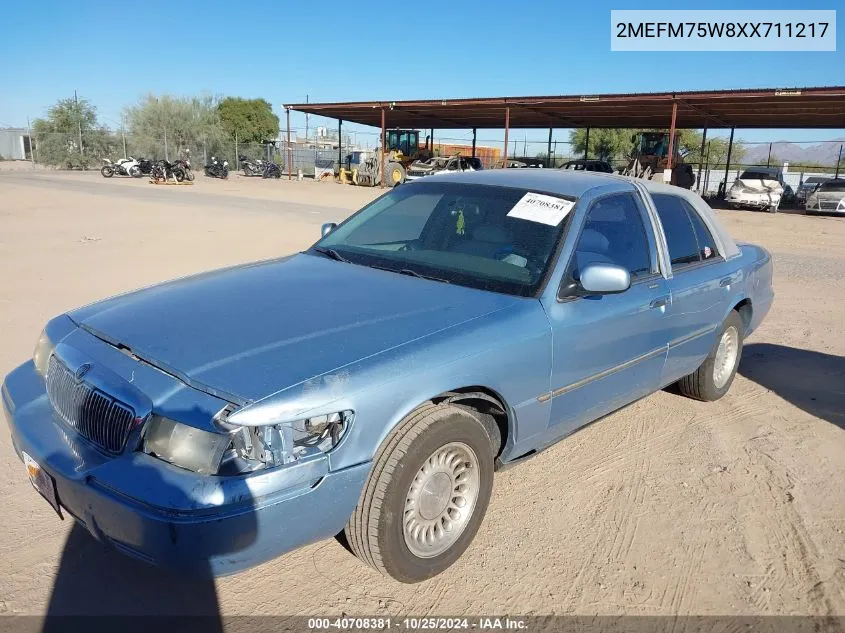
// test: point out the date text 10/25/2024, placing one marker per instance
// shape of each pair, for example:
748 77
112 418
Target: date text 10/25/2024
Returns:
417 624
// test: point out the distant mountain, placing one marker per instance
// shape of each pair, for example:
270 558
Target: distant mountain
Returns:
820 153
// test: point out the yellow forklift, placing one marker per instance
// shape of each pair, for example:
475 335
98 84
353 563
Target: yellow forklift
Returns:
403 148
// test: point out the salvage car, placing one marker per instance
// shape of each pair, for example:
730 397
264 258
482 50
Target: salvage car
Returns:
757 188
828 198
808 186
372 383
439 165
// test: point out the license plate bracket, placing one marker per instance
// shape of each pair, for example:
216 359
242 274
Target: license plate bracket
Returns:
43 482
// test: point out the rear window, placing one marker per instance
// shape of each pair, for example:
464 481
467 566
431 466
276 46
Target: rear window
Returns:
758 175
833 185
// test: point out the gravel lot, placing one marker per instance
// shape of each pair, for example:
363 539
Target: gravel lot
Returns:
666 507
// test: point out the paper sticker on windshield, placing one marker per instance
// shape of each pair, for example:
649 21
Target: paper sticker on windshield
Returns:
543 209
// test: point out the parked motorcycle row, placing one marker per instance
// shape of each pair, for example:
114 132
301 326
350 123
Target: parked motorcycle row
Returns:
180 170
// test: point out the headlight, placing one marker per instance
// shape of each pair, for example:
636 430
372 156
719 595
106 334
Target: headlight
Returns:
41 356
241 449
185 446
268 445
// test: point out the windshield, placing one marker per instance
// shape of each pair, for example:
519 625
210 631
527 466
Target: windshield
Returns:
493 238
833 185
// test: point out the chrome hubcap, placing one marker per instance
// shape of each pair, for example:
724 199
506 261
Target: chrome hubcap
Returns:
441 500
725 357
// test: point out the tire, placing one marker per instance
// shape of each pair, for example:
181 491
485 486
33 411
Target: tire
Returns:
772 208
225 173
135 172
376 531
107 171
178 174
189 176
395 174
703 384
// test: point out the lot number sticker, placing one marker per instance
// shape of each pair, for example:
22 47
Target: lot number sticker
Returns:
543 209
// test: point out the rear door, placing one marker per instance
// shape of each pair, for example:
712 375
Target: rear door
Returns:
608 350
699 286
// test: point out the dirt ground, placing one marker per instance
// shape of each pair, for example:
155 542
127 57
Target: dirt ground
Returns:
667 507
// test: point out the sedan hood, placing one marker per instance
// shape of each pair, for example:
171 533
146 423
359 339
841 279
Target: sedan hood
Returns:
249 331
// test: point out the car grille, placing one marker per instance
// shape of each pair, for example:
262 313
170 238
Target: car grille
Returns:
96 416
831 204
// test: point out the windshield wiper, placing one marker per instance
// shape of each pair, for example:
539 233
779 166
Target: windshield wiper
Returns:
412 273
332 253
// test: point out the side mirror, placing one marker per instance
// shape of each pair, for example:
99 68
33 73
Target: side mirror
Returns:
605 279
327 228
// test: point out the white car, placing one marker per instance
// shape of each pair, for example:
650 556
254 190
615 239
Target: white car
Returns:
443 165
757 188
828 198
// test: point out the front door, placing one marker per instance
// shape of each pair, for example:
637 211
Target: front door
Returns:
609 350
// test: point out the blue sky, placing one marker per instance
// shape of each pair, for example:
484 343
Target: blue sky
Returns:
332 51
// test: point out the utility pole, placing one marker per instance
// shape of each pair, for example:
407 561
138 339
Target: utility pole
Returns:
306 123
79 126
31 146
839 158
123 133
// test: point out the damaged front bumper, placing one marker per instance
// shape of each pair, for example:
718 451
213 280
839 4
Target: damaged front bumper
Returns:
172 517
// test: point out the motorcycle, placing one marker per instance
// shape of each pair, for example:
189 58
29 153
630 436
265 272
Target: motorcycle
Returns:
145 166
185 165
165 170
258 167
217 169
123 167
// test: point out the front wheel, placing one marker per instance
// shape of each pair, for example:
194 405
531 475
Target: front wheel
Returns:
107 171
713 378
395 174
426 494
178 174
189 176
135 171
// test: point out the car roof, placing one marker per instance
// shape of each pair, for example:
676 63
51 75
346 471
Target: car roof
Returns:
556 181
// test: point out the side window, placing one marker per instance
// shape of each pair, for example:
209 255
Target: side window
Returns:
680 235
614 234
706 243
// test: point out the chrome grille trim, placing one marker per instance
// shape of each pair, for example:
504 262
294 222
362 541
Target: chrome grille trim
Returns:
103 420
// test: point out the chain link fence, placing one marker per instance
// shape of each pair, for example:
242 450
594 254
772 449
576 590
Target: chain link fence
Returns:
308 156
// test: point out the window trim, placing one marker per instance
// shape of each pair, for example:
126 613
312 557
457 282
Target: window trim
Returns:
654 262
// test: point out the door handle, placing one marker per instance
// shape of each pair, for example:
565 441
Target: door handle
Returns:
660 302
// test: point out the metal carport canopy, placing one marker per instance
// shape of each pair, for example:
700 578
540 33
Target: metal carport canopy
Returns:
753 108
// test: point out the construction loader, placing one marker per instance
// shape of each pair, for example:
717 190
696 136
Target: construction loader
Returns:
365 167
650 159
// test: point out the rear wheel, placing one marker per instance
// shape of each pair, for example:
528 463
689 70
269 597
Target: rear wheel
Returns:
135 171
714 377
426 495
178 174
107 171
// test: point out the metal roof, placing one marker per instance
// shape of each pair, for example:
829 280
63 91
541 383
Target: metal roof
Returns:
755 108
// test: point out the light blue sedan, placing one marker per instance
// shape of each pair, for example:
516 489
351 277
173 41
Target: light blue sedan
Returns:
372 384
